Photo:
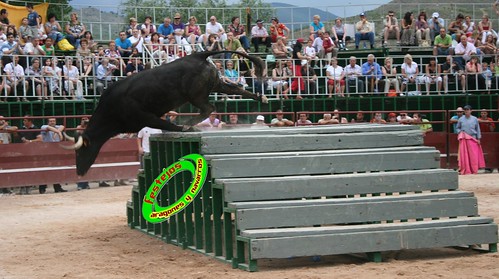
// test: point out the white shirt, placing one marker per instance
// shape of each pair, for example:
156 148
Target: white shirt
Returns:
259 32
318 44
465 51
335 72
213 28
144 134
310 51
410 71
140 45
29 47
72 73
14 71
353 72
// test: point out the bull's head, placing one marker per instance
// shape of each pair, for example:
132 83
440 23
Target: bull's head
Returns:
86 152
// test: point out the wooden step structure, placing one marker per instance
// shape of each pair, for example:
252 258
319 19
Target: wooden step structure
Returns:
311 191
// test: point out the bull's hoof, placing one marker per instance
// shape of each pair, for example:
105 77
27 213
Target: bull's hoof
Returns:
187 128
265 100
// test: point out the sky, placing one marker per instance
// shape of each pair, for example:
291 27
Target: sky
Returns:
353 6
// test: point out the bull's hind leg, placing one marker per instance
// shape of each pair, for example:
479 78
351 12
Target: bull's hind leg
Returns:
231 89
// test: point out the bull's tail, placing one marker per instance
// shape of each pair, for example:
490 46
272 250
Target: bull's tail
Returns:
257 61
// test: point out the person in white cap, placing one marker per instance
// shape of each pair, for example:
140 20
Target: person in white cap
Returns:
435 23
260 122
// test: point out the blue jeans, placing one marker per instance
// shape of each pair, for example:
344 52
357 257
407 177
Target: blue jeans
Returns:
366 36
56 37
245 42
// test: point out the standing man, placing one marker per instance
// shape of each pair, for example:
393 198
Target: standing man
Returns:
364 31
470 150
486 123
51 132
391 26
455 118
259 35
435 23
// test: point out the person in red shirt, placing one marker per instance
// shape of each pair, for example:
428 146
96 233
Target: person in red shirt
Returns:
277 30
328 45
486 123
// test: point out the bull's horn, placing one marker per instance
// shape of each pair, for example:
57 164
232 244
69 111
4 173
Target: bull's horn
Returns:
68 137
76 146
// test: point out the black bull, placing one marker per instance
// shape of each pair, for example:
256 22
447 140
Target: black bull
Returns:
140 100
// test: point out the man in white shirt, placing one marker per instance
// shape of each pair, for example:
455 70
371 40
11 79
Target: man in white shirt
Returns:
353 73
32 47
463 52
137 41
259 35
15 77
143 141
214 27
104 75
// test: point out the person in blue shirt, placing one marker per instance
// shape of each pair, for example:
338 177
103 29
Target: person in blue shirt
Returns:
165 30
455 118
372 71
123 45
33 21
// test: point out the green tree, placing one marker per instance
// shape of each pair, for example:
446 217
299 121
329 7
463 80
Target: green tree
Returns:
142 8
60 8
259 9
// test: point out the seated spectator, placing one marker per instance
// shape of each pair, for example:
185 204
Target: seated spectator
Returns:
23 29
329 47
11 46
309 79
280 121
378 118
280 80
436 23
53 29
474 74
48 48
148 28
424 124
214 45
212 122
372 72
359 118
42 34
193 32
36 80
259 123
391 27
450 70
422 28
114 56
4 88
7 130
335 79
178 28
259 35
137 42
390 76
75 30
468 25
4 18
353 73
232 76
104 75
214 27
327 119
456 27
238 30
410 72
485 27
92 44
408 30
132 26
364 31
336 115
32 47
134 66
16 78
442 44
231 43
318 44
157 49
233 122
53 76
303 120
297 84
432 76
277 29
279 49
311 54
165 30
72 82
315 27
490 45
339 34
123 45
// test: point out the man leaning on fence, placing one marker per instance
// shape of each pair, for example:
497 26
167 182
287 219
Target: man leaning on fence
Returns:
51 132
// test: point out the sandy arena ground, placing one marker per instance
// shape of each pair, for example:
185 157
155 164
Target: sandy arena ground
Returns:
83 234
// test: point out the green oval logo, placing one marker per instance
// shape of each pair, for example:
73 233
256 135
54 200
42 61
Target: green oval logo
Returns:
194 163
